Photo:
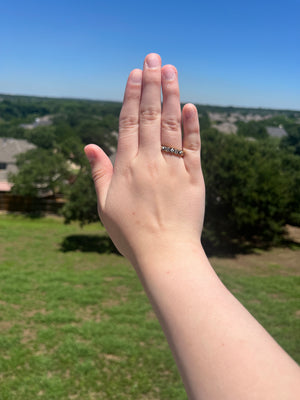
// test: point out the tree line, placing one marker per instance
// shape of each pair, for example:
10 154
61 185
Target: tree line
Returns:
252 180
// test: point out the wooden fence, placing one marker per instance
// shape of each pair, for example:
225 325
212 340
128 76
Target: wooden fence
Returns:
33 205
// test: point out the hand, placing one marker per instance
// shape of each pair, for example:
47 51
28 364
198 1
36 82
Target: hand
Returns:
150 198
152 205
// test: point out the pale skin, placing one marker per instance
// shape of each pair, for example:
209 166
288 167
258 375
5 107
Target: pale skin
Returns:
152 205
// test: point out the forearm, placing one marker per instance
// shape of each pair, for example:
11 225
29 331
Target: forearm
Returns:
222 352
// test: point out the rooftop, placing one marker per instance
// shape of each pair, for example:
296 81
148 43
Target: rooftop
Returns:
10 148
276 131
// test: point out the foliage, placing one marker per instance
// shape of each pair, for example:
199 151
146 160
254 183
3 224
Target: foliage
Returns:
10 110
59 158
82 202
291 142
253 186
291 169
252 129
248 191
40 172
43 137
204 121
11 130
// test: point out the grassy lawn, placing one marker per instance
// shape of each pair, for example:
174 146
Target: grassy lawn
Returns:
76 324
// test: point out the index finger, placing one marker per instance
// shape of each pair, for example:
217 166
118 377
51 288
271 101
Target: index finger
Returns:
129 118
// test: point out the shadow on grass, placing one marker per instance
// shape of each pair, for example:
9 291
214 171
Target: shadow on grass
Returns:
102 244
30 214
234 249
88 243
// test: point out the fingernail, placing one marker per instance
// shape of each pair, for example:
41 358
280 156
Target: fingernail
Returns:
136 77
169 74
152 61
189 112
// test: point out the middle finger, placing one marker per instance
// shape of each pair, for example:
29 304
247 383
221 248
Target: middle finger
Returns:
150 107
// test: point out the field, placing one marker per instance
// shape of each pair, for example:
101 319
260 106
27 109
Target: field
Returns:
75 322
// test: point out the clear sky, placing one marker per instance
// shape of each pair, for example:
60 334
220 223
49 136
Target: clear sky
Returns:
227 52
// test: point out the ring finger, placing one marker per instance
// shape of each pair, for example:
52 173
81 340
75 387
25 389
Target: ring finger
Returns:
171 113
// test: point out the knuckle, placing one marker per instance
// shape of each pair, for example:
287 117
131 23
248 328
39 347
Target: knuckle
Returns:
171 124
133 95
152 78
171 90
194 146
127 121
150 114
98 175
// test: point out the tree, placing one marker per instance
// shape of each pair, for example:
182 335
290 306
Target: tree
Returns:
82 202
204 121
251 192
96 131
247 193
291 169
40 172
43 137
252 129
291 142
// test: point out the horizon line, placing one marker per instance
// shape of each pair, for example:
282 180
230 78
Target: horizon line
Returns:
120 101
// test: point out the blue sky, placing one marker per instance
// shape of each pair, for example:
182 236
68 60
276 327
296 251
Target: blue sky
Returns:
226 52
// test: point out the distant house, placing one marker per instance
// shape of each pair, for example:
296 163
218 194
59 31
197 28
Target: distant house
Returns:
9 149
41 121
278 132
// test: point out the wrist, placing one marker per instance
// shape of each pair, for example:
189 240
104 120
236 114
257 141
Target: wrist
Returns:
168 252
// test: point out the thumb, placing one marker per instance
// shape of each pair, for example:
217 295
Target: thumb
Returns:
102 170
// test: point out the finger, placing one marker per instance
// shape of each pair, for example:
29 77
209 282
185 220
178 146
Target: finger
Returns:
102 171
191 136
129 117
171 114
150 107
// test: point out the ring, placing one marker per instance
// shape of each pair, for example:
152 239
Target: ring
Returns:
172 150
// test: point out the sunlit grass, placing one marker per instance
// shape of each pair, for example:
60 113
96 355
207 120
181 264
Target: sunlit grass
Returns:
75 323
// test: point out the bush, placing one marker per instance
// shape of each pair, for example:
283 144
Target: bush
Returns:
82 201
252 129
248 194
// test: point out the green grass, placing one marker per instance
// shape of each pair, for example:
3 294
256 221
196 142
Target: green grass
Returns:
274 301
75 322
